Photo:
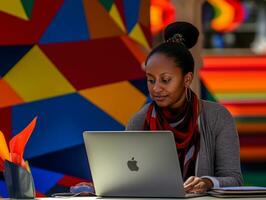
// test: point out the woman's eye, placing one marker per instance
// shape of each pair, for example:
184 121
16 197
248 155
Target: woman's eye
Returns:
151 81
166 80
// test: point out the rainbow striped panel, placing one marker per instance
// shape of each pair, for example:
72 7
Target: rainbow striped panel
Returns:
239 83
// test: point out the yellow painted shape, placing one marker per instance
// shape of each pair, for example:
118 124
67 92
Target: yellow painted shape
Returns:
35 77
13 7
138 35
117 18
120 100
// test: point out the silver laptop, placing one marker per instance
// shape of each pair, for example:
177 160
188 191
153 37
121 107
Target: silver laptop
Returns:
134 164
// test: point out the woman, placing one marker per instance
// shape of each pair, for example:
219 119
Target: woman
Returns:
205 134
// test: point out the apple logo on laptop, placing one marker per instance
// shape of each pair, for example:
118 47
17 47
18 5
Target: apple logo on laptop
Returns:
132 165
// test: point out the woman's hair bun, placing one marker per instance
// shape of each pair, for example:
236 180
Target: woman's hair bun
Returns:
189 33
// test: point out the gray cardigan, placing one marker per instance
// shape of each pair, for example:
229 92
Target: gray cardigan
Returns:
219 146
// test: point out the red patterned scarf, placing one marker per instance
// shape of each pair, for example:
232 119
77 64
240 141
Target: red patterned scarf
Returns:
184 126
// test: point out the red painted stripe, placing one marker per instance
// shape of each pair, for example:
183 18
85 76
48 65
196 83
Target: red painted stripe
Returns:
239 62
68 181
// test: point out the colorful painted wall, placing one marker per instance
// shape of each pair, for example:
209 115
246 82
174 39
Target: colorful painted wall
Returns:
76 64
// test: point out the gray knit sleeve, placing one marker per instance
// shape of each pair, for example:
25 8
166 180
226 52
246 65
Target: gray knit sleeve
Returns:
227 168
136 123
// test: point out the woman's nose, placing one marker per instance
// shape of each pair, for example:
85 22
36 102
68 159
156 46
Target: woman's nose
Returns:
157 87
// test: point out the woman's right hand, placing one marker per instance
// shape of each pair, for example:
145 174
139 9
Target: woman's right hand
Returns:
196 184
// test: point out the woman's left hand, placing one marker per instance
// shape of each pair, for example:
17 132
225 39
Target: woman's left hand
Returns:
196 184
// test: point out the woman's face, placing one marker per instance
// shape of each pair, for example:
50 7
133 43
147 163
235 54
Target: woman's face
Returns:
165 81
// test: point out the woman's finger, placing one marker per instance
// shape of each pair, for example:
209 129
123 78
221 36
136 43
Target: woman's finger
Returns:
189 180
193 185
200 187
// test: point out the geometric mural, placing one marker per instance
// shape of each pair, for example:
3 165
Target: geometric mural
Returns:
77 65
238 82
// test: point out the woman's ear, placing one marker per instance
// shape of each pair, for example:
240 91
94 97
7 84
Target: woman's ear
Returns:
188 79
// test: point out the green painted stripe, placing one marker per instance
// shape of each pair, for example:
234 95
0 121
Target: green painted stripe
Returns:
241 96
107 4
251 119
28 5
255 178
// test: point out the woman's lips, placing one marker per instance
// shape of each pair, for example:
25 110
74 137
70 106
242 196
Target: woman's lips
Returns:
159 98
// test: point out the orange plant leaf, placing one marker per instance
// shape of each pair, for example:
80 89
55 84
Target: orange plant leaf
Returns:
4 152
17 143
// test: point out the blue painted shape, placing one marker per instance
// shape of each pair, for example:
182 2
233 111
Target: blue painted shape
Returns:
68 25
44 180
3 189
141 84
61 122
71 161
10 55
131 13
